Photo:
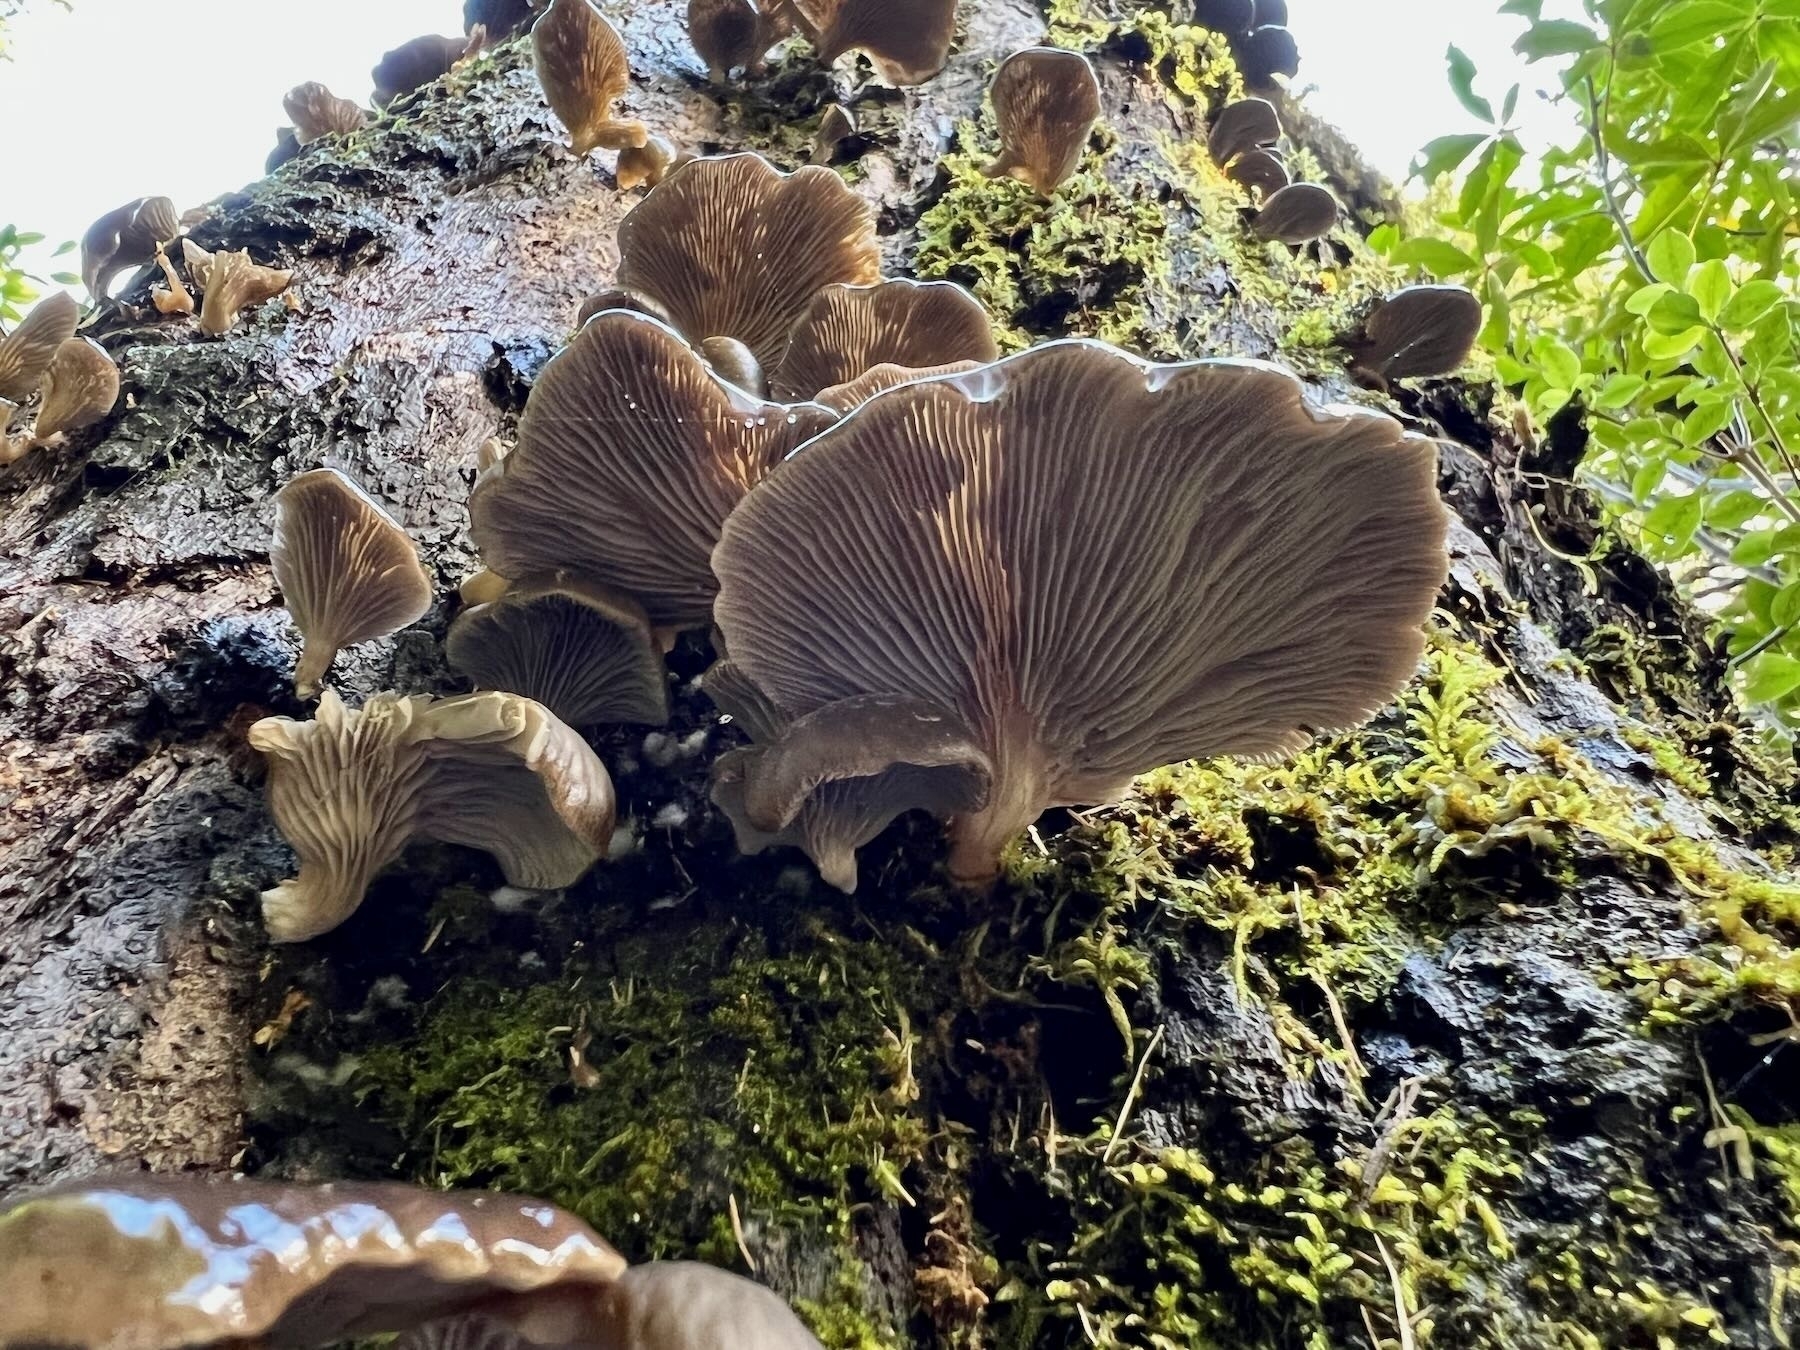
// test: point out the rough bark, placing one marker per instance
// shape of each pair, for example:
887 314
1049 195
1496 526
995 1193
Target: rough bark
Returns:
1544 889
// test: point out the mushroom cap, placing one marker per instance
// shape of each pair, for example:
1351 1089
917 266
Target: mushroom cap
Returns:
683 1305
1098 566
645 165
498 18
726 34
1419 330
27 351
1259 170
173 297
315 111
847 330
1235 17
732 247
836 123
586 653
736 364
1297 214
847 397
1046 102
348 572
233 284
629 457
1269 12
584 69
1267 52
80 389
125 237
160 1262
414 64
1242 126
493 771
907 41
199 262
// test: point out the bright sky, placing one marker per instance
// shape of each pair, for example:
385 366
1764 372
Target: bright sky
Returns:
117 99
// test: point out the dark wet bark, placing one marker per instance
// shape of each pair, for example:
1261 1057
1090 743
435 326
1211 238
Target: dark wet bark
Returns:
440 259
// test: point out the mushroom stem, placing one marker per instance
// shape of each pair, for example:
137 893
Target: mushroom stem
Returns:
315 661
1020 790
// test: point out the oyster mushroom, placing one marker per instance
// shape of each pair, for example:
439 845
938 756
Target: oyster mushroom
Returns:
315 111
847 330
26 352
1260 171
1046 102
729 246
348 573
851 395
682 1305
836 125
583 68
79 390
907 41
172 297
1234 17
648 164
417 62
1297 214
1418 330
736 364
1268 51
232 284
1242 126
1094 565
587 654
1269 12
125 237
620 299
498 18
492 771
629 456
725 34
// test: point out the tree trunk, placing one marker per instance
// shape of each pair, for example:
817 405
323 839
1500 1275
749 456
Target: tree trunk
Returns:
1481 1013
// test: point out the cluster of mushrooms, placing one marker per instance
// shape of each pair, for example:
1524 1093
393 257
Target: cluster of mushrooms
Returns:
934 579
180 1263
1243 144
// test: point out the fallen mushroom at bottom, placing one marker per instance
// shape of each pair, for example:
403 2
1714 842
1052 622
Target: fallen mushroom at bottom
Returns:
493 771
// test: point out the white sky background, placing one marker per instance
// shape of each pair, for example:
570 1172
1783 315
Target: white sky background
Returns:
93 119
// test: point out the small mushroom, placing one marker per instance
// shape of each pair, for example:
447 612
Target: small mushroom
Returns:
316 112
629 456
1046 102
725 33
1269 12
481 588
26 352
125 237
348 572
736 364
907 41
1259 170
147 1262
586 653
1094 565
620 299
79 390
682 1305
1418 330
287 147
846 330
729 246
837 125
1267 52
492 771
497 18
416 63
233 283
583 68
1242 126
648 164
174 297
198 262
847 397
1297 214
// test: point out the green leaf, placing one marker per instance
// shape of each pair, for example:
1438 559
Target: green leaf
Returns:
1754 549
1648 478
1665 200
1439 256
1674 312
1462 82
1770 676
1784 609
1710 285
1676 518
1670 255
1706 421
1692 21
1645 298
1730 511
1444 155
65 278
1556 362
1618 391
1752 300
1554 37
1510 105
1668 346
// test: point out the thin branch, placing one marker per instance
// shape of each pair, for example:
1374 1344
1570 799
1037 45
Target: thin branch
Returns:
1603 167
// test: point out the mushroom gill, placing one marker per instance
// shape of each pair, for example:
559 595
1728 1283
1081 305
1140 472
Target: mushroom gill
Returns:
494 771
630 454
584 70
729 246
26 352
907 41
586 653
848 330
315 111
1046 102
1297 214
847 397
1096 565
233 283
125 237
348 572
79 389
1242 126
1418 330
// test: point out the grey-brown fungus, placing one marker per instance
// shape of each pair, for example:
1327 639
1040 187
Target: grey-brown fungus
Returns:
348 572
1297 214
630 455
26 352
1418 330
586 653
648 164
233 283
79 389
1269 12
172 297
1046 102
682 1305
729 246
1268 51
1261 171
583 68
836 125
1242 126
848 330
416 63
620 299
852 394
499 18
1095 565
736 364
1234 17
726 35
315 111
907 41
125 237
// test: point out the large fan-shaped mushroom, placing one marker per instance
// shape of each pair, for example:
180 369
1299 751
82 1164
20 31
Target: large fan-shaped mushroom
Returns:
908 41
1046 102
348 572
725 34
630 455
729 246
79 389
848 330
26 352
583 67
1095 565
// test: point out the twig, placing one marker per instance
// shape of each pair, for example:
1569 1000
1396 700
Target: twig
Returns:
1401 1320
1603 166
737 1231
1137 1081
